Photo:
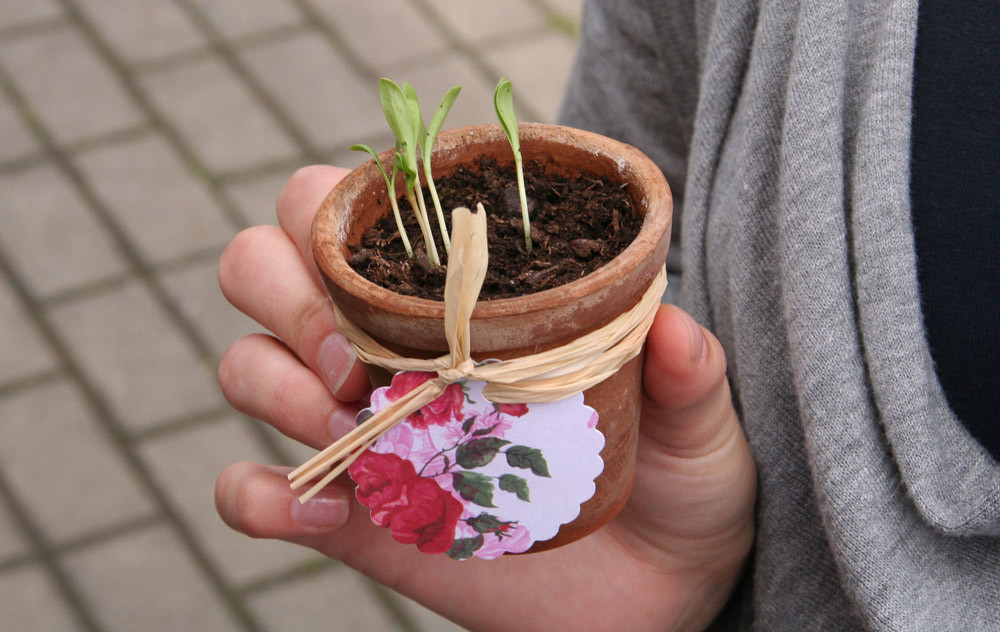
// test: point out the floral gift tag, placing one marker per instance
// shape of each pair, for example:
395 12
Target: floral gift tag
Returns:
464 476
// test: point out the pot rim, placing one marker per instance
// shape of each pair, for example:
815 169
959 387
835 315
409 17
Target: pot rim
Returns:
650 189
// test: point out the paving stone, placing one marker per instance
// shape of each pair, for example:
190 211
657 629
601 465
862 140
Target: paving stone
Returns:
326 98
381 33
538 69
14 12
62 465
12 543
142 30
338 600
186 464
55 242
433 77
217 115
136 357
29 602
234 19
257 198
298 453
77 96
196 289
164 210
22 349
147 581
477 20
17 140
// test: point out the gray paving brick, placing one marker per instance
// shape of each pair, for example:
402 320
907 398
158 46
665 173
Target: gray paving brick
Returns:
325 97
136 357
77 96
538 69
196 289
62 466
234 19
14 12
476 20
147 581
22 349
55 242
142 30
30 603
433 77
186 464
382 33
298 453
217 115
338 599
17 140
12 543
164 210
257 198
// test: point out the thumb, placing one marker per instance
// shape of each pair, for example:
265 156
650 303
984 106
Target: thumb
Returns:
687 409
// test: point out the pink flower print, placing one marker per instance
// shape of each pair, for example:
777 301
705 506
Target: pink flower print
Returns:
516 539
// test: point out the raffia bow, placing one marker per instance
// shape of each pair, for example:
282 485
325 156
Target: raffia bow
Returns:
547 376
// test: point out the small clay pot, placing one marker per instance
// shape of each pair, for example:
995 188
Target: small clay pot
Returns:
512 327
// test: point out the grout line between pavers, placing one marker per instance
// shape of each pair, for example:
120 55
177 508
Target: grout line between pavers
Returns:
114 281
32 27
142 268
171 427
456 43
159 122
28 382
119 436
44 552
238 68
106 418
257 38
301 571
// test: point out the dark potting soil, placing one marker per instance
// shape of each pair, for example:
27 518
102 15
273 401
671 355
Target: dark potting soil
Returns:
577 225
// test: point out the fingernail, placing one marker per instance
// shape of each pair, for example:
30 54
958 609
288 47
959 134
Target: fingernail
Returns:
335 360
341 421
698 342
320 511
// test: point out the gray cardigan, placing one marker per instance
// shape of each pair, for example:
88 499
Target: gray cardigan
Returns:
784 128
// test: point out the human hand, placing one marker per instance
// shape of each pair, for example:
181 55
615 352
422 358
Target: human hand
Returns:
668 561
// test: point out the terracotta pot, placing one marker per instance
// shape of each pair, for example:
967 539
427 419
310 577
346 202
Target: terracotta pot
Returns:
512 327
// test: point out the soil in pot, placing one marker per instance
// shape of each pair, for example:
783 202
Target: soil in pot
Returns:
578 224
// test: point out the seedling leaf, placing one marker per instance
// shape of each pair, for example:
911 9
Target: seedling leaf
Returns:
503 102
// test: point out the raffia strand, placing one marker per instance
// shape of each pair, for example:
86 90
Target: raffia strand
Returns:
542 377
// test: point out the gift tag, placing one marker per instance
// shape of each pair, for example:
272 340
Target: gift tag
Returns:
466 477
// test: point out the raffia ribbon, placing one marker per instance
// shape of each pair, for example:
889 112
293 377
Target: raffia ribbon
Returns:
547 376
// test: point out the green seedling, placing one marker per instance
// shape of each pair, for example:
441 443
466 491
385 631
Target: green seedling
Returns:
428 136
399 116
390 187
503 101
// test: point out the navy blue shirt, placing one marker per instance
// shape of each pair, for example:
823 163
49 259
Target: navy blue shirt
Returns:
955 195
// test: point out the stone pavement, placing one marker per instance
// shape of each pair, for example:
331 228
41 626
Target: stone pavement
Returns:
136 138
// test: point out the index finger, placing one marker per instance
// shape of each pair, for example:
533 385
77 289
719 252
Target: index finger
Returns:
298 202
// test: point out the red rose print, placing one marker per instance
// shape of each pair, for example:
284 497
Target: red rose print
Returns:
429 519
439 412
416 510
404 382
514 410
